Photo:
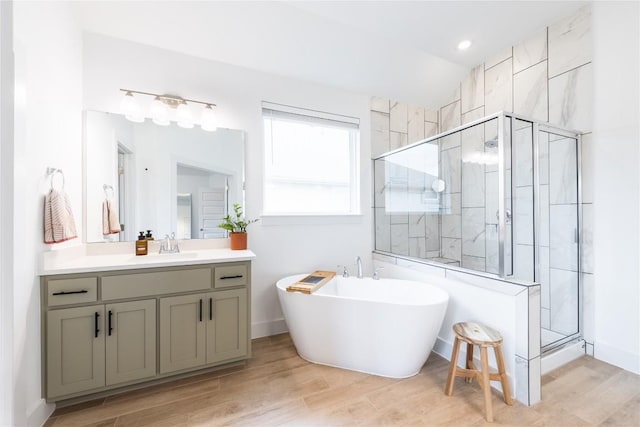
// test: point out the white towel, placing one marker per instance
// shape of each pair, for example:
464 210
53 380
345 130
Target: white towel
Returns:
59 225
110 221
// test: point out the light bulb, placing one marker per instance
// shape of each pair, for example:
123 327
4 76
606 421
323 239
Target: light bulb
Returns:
183 114
159 112
208 121
130 108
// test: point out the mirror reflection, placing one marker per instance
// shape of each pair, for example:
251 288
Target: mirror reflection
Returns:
160 178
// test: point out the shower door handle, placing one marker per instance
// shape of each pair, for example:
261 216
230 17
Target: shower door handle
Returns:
507 216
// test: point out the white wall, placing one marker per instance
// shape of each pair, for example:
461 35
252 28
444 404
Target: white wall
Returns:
616 157
282 247
48 125
6 212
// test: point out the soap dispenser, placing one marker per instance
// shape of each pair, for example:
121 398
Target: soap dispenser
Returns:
141 244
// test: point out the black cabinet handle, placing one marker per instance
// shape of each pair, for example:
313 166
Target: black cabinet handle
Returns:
238 276
97 330
84 291
201 309
210 308
110 326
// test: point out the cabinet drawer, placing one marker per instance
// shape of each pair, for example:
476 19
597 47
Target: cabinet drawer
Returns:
231 275
156 283
72 291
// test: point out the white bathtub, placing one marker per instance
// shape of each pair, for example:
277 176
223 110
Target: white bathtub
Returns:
383 327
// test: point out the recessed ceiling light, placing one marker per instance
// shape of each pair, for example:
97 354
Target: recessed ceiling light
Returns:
464 44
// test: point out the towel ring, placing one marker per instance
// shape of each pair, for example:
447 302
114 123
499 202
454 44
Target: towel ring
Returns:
51 173
106 187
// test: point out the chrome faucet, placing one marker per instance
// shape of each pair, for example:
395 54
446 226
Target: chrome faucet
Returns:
169 245
359 274
345 273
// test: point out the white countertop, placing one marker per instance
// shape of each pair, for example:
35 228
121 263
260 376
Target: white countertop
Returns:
83 261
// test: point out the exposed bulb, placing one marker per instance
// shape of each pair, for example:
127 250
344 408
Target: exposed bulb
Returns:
208 121
130 108
184 116
159 112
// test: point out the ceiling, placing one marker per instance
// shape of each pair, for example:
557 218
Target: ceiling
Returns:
402 50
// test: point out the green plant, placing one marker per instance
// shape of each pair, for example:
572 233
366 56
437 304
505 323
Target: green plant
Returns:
239 223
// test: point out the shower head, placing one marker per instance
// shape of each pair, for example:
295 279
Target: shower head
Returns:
492 143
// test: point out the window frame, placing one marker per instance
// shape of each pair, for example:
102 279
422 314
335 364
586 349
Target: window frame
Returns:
354 184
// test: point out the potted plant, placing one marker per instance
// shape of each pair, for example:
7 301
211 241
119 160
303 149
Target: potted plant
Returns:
237 228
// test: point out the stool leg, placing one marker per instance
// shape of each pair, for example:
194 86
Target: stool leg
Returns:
486 387
452 367
503 376
469 361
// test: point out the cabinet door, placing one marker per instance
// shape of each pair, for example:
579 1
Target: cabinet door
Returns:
130 341
182 332
75 350
226 325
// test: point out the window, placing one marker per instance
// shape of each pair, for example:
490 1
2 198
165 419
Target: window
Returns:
311 162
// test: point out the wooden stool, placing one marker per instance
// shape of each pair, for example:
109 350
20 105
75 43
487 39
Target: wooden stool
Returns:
482 336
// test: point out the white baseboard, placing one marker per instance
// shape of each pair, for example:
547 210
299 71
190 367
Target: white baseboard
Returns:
265 329
443 348
39 413
616 356
562 356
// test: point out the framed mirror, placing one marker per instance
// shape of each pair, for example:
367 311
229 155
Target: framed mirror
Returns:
166 179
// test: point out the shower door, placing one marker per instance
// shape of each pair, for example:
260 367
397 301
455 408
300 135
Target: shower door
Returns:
560 236
542 221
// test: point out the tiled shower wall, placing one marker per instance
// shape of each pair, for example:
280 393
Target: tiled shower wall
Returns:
547 77
394 125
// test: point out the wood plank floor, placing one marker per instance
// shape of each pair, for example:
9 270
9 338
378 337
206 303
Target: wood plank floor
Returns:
277 387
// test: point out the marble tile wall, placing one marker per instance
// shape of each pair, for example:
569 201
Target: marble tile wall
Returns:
548 77
394 125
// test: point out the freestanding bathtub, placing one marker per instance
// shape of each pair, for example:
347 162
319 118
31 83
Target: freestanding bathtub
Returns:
383 327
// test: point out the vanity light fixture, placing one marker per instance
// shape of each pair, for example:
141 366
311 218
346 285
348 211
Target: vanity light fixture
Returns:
208 118
164 107
183 114
159 112
464 45
130 108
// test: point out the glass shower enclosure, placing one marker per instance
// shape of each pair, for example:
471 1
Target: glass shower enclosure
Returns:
500 196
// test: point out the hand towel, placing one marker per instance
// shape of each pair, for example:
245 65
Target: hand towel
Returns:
110 221
59 224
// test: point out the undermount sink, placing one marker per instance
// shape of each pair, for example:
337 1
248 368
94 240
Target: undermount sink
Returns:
156 257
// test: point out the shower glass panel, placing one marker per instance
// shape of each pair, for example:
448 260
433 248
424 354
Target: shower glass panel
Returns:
438 200
499 195
523 261
559 237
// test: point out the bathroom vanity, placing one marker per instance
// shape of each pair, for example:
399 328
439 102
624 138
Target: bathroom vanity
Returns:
115 322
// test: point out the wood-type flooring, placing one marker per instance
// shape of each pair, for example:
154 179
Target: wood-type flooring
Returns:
278 388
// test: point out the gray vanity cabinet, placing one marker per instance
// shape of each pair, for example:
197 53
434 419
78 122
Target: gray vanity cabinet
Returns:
75 350
182 333
90 347
202 329
130 334
227 325
111 330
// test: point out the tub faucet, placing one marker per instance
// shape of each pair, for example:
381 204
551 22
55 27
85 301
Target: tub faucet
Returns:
359 267
345 273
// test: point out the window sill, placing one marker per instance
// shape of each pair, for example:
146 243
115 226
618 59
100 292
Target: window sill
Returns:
302 219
